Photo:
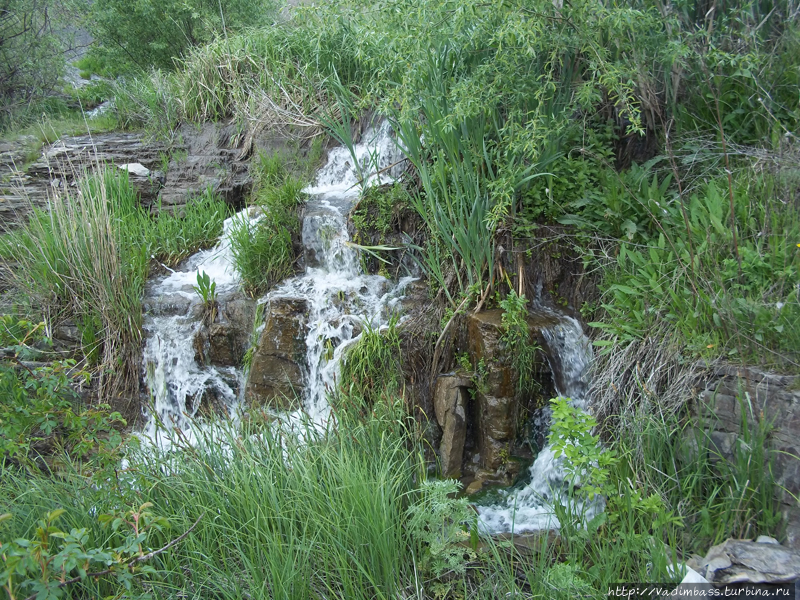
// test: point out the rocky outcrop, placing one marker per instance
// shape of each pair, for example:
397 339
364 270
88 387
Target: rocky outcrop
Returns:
450 400
484 418
61 163
163 175
495 389
276 371
733 397
224 342
206 157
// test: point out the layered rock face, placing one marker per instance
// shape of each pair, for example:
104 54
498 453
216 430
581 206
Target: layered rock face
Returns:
734 397
165 176
495 393
483 417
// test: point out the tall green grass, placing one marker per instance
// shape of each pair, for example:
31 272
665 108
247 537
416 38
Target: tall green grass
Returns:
371 368
347 512
281 518
87 258
264 247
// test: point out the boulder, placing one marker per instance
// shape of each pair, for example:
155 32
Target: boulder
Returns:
224 342
743 561
278 365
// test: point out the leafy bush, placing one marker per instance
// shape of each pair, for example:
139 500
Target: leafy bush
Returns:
693 280
52 560
142 34
439 524
42 417
31 56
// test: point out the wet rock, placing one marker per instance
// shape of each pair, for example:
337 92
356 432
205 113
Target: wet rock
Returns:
224 343
474 487
485 331
449 401
169 305
743 561
276 372
496 388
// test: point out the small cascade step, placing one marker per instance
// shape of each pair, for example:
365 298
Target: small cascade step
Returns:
569 354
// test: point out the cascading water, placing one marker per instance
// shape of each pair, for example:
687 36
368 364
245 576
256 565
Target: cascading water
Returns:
341 299
568 351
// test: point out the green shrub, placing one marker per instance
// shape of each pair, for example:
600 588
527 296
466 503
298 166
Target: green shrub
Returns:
142 34
31 57
693 280
42 420
53 560
371 368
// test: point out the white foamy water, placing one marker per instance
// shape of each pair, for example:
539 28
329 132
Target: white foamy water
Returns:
529 509
341 300
178 385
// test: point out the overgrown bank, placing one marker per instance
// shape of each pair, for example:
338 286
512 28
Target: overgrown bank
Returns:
658 146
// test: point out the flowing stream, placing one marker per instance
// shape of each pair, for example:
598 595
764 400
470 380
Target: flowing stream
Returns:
530 508
341 299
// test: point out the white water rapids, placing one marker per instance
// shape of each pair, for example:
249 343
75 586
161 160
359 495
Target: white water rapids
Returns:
341 299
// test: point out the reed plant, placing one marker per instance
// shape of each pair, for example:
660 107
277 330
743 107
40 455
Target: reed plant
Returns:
76 260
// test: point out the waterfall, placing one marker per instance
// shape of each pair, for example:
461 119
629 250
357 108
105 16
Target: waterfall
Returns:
173 315
568 352
341 298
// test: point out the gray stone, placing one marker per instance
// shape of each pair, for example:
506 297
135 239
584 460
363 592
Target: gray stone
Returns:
449 402
742 561
446 394
765 539
451 450
137 169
